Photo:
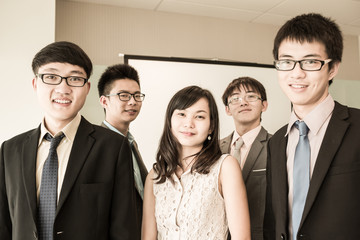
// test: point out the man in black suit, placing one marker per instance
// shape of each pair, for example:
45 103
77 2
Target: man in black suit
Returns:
321 202
94 198
245 100
121 98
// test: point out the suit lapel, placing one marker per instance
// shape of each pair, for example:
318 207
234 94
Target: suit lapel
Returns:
254 152
82 145
29 155
277 158
330 144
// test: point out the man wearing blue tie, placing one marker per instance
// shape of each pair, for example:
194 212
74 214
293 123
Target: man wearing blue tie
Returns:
313 171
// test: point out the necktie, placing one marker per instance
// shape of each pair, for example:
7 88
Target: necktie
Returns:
137 175
48 190
237 150
301 175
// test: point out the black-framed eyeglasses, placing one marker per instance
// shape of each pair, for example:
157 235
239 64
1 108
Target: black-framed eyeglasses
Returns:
305 64
126 96
54 79
249 98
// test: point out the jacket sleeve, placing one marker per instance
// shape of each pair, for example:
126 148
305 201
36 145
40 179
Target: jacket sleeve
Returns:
5 220
123 210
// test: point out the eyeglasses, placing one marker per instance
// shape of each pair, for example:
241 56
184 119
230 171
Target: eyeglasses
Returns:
249 98
125 96
53 79
306 64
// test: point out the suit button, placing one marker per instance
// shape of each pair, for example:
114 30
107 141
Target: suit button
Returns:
282 236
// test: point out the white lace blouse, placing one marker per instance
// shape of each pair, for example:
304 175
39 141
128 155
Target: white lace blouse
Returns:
192 208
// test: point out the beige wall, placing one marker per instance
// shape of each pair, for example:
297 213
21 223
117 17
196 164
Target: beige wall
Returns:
104 31
24 31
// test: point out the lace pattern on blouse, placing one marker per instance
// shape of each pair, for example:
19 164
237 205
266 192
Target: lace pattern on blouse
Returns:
191 208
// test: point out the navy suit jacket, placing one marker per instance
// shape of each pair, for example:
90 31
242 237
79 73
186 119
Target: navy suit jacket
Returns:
143 173
96 200
332 208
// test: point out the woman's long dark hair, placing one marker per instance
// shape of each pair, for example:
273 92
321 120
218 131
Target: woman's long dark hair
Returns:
167 157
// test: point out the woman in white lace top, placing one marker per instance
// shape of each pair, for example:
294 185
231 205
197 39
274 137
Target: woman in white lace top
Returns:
193 191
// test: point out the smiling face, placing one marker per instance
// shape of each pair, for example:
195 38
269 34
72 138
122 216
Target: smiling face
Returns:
120 112
305 89
246 114
191 126
61 103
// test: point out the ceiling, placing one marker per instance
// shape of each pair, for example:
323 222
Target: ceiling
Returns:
275 12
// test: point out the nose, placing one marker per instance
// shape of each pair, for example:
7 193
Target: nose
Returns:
297 72
188 122
63 87
132 100
243 101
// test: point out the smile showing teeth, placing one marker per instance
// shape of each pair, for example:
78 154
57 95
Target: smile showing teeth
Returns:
297 86
62 101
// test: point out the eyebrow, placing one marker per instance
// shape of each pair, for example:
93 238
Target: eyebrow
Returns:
125 91
248 91
306 56
57 71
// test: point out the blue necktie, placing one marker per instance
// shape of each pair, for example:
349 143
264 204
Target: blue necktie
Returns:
48 190
301 175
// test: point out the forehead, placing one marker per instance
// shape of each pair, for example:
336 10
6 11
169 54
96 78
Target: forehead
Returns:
64 69
125 84
242 89
298 50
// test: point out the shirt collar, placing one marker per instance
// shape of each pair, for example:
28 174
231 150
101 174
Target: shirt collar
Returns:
69 130
316 118
248 137
111 127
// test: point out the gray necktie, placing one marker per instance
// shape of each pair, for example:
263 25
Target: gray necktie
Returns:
48 190
301 175
237 150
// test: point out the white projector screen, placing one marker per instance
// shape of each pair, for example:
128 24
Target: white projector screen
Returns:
161 78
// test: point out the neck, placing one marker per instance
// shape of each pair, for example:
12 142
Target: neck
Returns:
54 126
120 126
241 129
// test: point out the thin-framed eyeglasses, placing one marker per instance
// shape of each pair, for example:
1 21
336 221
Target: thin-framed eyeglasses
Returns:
305 64
126 96
249 98
54 79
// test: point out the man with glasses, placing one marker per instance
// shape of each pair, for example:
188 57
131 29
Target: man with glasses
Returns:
120 96
313 172
67 179
245 100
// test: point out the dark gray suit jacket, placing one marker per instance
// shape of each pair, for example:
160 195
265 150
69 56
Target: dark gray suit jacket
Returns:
254 176
143 173
96 200
332 207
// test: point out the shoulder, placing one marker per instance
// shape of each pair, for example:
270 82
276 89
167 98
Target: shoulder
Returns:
343 111
98 132
20 138
229 164
279 134
227 138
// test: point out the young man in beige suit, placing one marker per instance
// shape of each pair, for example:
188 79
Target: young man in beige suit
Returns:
120 96
245 100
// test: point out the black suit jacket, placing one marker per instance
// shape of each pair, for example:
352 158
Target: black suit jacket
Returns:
143 173
254 175
332 208
96 199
